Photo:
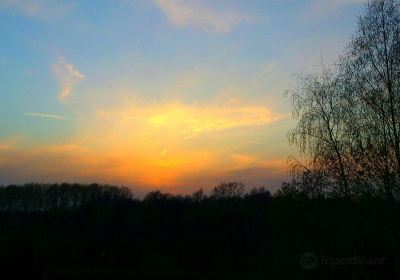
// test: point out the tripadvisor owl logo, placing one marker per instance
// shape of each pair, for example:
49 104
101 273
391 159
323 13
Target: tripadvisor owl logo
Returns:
309 261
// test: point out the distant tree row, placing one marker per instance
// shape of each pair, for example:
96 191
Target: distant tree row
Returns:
348 115
45 197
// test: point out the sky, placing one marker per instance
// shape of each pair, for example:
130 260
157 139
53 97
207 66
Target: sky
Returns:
174 95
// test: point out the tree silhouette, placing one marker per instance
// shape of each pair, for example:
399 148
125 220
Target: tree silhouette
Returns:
371 71
320 130
348 115
227 190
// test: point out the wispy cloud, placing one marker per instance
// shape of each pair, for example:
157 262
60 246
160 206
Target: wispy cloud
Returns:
195 120
48 116
197 14
68 76
42 115
320 8
38 9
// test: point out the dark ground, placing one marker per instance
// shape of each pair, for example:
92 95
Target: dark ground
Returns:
109 236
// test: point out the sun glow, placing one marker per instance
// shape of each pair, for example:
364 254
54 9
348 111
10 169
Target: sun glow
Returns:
161 144
155 145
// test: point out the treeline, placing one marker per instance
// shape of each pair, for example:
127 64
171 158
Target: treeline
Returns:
348 115
45 197
228 234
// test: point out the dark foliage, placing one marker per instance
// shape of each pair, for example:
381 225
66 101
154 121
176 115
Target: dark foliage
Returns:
102 232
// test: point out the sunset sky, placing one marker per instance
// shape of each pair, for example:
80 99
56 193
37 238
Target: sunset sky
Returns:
157 94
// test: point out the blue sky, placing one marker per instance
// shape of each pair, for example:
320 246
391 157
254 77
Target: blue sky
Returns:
151 94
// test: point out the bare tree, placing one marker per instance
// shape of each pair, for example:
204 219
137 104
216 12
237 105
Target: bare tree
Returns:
371 72
349 115
319 134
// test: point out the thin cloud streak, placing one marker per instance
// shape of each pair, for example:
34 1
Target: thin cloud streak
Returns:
49 116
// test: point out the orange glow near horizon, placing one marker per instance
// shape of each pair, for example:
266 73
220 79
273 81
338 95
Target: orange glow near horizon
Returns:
157 146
